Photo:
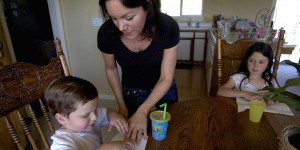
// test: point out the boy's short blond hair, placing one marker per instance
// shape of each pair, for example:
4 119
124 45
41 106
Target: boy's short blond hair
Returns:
63 95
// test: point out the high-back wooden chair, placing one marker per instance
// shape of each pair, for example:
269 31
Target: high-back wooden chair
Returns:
229 56
277 51
22 84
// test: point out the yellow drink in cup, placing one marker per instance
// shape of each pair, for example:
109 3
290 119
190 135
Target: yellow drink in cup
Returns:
256 110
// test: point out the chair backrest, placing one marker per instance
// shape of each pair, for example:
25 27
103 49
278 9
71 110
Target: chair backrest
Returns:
277 51
229 56
22 84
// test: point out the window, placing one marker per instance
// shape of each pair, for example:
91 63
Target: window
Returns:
287 15
182 8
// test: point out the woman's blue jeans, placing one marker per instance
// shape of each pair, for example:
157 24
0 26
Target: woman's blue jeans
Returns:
134 98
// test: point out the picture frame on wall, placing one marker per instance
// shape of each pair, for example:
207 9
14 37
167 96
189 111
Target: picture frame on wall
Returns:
23 10
13 5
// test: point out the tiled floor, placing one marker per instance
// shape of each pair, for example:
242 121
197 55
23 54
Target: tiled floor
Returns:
285 72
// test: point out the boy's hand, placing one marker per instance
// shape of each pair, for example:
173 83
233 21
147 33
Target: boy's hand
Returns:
116 145
122 145
118 121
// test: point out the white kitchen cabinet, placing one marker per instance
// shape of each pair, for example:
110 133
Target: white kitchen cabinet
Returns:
192 45
199 48
184 50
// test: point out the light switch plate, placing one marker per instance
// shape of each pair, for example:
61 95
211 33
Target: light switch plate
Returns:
97 22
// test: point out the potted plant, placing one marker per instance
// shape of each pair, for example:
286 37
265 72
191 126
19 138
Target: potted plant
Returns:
283 96
290 136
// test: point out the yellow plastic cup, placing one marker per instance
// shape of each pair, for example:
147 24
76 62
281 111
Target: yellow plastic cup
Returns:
256 110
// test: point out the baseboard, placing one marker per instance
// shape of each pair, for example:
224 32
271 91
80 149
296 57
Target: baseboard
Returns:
106 97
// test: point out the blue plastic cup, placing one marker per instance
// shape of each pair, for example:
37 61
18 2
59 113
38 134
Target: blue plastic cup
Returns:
159 125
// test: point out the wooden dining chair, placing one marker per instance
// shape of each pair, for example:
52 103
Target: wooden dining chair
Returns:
229 56
21 85
277 51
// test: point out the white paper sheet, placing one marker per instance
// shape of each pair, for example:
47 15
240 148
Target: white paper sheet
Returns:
141 146
279 108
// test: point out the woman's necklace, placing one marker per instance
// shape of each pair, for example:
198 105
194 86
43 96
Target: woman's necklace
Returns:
138 47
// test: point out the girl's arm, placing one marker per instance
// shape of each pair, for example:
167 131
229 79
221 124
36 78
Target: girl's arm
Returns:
139 119
228 90
113 78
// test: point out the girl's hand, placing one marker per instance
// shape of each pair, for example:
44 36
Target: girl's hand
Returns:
258 96
270 103
123 111
119 122
262 93
253 96
137 127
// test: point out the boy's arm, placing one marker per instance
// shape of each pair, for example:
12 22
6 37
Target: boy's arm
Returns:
115 119
115 145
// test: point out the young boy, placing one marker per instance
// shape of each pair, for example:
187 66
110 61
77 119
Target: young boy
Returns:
74 103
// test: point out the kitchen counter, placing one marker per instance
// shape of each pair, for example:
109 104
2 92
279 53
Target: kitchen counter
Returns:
185 28
234 36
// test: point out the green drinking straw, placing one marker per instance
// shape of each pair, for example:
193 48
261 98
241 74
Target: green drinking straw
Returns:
165 108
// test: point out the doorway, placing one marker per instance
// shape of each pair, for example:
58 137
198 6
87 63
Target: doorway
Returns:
287 15
30 29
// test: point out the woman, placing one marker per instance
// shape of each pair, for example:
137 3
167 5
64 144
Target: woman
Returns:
144 42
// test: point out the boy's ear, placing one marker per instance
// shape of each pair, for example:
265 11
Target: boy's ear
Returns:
62 119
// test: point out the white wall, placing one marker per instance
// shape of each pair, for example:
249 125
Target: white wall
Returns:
81 40
242 8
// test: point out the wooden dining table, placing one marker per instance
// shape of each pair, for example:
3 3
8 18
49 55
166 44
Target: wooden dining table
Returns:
214 123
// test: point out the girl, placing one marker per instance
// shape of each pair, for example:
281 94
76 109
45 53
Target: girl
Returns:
254 73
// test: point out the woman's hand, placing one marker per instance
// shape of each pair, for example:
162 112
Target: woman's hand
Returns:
137 127
123 111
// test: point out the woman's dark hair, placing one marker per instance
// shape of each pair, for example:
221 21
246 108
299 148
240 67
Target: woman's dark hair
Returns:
152 21
267 51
